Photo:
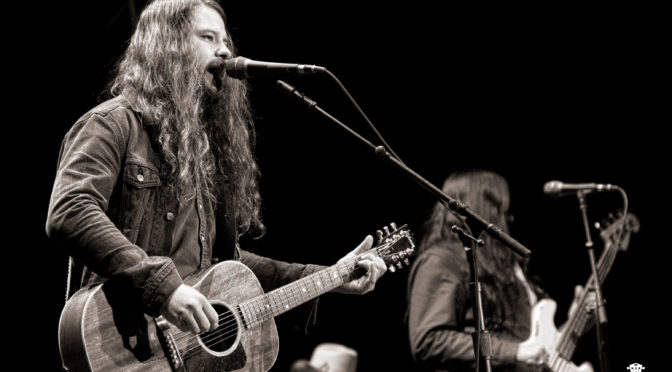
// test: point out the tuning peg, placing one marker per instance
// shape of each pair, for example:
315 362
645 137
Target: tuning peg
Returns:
393 225
387 231
399 265
392 268
597 225
406 261
379 235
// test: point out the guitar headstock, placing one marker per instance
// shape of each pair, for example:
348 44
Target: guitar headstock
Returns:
395 246
611 228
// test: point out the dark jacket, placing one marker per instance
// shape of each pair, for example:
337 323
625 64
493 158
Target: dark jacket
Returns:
440 317
114 214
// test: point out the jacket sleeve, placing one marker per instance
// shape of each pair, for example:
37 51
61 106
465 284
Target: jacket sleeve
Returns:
89 165
273 274
437 333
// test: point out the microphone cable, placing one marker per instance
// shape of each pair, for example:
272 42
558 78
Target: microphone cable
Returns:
361 112
380 137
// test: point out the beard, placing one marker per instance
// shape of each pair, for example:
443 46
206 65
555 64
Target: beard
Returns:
217 92
216 68
224 118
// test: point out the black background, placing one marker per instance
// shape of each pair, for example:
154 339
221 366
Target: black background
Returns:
535 94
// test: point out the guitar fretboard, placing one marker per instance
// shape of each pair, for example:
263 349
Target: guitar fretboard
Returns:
578 323
262 308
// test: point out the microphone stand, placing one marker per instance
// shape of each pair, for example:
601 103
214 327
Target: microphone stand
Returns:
471 217
481 338
600 310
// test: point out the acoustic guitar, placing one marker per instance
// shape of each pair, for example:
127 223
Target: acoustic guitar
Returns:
99 331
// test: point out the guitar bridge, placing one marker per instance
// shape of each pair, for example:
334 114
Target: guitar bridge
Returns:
169 345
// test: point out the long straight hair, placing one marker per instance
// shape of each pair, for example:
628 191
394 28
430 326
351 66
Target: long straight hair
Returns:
486 193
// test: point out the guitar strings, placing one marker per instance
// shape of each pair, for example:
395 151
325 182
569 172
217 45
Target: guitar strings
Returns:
193 347
292 295
213 338
264 311
218 337
227 319
578 322
556 359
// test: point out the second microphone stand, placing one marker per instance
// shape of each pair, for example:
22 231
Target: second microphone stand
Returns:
600 310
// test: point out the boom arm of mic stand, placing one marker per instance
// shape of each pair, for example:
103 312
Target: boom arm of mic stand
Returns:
446 200
456 205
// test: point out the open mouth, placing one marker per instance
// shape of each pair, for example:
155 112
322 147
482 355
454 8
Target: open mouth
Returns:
216 68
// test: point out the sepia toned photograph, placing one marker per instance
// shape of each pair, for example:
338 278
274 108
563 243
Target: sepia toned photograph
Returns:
338 186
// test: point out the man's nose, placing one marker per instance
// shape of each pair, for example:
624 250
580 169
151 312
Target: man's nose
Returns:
223 52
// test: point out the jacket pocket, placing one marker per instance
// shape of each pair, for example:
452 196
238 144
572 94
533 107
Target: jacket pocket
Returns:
139 192
141 174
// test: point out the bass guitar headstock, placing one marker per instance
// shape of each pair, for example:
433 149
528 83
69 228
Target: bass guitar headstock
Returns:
395 246
615 227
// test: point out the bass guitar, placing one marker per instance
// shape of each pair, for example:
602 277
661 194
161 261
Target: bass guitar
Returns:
560 346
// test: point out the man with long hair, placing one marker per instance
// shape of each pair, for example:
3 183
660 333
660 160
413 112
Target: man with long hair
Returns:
159 181
440 317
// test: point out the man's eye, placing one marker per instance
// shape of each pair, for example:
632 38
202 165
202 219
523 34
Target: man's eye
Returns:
208 37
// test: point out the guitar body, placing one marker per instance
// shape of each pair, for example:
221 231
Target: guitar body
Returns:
543 332
100 331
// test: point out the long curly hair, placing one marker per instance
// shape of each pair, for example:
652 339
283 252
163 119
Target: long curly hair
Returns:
487 194
201 135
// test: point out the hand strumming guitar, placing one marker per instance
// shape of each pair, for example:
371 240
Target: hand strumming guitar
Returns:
189 310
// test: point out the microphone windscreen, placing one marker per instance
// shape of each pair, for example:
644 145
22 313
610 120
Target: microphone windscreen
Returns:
552 187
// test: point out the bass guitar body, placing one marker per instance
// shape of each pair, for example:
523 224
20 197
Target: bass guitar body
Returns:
543 332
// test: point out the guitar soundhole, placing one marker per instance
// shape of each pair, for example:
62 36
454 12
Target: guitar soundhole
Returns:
222 338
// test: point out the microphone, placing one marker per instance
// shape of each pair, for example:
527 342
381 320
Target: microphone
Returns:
557 188
243 68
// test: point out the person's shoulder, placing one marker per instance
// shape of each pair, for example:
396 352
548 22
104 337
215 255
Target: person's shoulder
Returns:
114 112
439 260
114 115
445 254
108 107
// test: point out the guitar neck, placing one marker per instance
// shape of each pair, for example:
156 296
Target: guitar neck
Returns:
267 306
579 321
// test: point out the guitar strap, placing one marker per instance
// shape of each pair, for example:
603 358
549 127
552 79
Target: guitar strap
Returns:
68 279
531 296
74 270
